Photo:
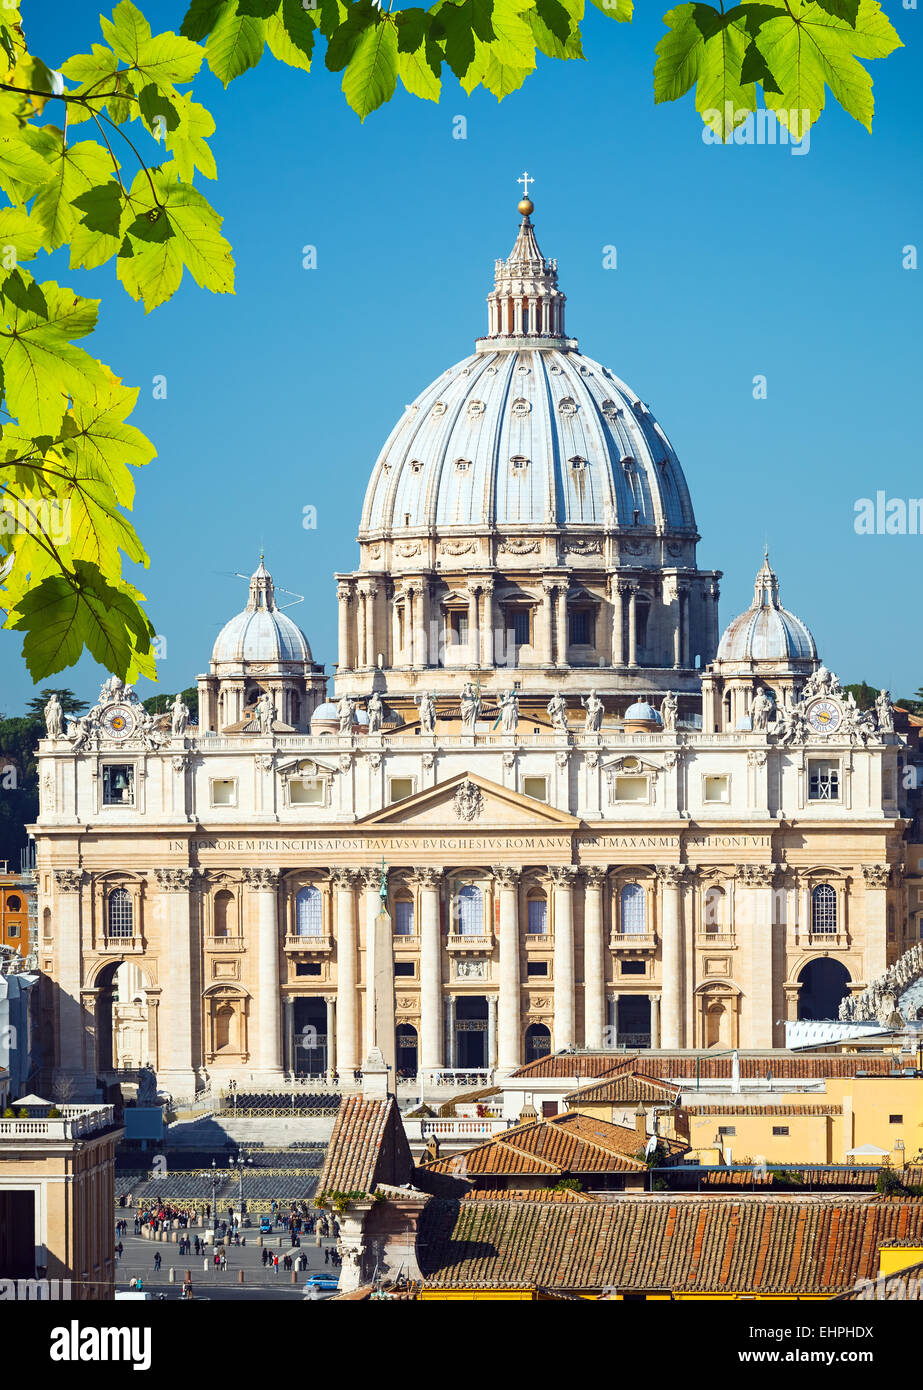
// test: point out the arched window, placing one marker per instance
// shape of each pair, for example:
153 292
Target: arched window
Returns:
13 904
224 913
469 909
307 912
120 915
823 909
403 917
538 916
224 1021
633 910
714 910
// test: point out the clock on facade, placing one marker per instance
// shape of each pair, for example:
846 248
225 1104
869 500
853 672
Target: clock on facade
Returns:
824 716
118 721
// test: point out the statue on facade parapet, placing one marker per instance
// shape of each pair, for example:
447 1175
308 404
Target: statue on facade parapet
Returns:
668 709
179 717
594 713
147 1085
884 708
822 682
346 710
427 706
265 712
557 709
54 717
791 727
761 710
470 707
375 706
509 711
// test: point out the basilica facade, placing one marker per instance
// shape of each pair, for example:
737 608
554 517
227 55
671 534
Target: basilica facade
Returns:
547 802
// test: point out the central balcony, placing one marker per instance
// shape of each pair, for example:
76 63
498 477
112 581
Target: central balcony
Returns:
472 944
632 941
309 945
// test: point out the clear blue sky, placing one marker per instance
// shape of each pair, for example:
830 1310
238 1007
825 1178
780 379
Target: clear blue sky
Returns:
732 262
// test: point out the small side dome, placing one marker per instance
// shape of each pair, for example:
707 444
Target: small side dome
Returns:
325 719
766 631
642 710
261 632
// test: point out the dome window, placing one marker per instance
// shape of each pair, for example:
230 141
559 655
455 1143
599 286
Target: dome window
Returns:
577 464
476 407
567 405
462 465
439 408
415 465
521 407
518 463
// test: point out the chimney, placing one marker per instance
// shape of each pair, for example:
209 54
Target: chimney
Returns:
641 1123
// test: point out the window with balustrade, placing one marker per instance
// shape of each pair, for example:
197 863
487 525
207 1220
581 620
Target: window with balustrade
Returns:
469 911
119 913
308 915
632 910
823 910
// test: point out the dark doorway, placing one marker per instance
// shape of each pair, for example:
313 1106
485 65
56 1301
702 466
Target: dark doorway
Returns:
406 1058
633 1024
310 1050
471 1032
17 1235
823 988
538 1041
106 996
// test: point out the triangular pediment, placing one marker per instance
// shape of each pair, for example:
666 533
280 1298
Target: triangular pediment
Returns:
467 801
305 767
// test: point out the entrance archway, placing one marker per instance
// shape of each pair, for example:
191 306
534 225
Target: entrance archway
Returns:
121 1019
471 1032
824 985
538 1041
406 1050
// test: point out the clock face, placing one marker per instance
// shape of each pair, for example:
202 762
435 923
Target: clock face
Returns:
118 721
824 716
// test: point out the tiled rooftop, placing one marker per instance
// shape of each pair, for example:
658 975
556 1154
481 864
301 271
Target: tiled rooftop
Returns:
552 1147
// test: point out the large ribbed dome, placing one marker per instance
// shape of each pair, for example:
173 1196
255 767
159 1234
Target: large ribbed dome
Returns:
528 437
261 632
766 631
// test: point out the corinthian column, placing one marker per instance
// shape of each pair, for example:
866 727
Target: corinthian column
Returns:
347 968
71 1028
177 1008
671 989
753 913
562 878
431 1028
264 884
594 969
488 652
876 878
508 1049
546 649
344 593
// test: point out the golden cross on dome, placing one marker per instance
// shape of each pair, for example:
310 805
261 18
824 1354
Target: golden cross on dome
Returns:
525 180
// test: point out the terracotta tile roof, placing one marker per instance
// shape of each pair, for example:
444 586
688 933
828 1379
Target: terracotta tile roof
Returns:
782 1066
354 1154
553 1146
626 1087
664 1242
534 1194
770 1110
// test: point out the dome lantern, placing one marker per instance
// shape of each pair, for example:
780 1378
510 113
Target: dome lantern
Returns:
525 302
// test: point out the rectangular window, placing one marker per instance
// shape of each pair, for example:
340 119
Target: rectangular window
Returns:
581 628
633 967
823 780
538 917
404 968
716 788
780 1131
631 789
727 1131
459 625
536 787
224 791
519 625
118 784
306 791
403 917
308 968
537 967
895 1119
12 929
399 788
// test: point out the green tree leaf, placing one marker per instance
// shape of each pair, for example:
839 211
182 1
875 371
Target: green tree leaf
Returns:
42 369
290 34
96 238
201 18
75 169
158 242
22 170
126 32
371 74
235 44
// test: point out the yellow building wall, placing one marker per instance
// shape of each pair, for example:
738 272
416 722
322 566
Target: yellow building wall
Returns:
868 1105
809 1138
891 1258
